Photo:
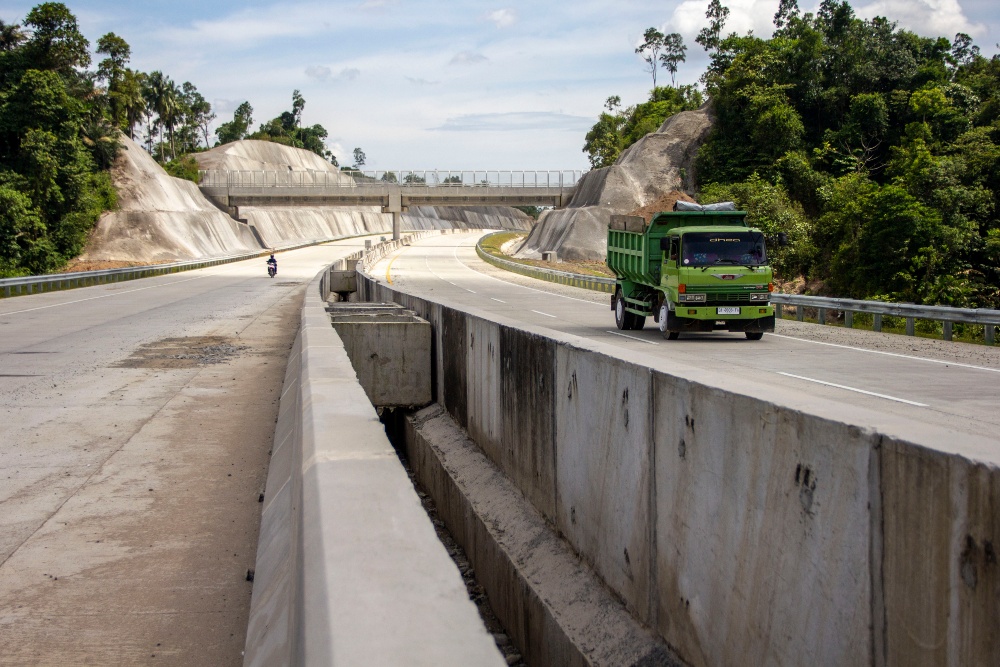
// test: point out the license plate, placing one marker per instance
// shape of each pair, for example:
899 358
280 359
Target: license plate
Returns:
729 310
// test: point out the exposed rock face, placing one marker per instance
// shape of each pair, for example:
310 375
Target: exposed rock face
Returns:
644 173
161 218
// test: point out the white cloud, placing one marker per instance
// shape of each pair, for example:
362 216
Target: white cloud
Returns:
324 74
744 15
467 58
503 18
516 122
422 82
929 18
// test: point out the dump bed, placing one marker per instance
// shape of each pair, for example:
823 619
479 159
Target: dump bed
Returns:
634 251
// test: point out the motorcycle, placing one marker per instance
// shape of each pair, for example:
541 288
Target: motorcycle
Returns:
272 269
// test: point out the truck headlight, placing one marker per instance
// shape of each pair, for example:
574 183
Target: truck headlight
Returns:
689 298
760 297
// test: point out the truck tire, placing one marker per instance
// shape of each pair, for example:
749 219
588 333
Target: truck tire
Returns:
623 319
638 322
755 335
664 318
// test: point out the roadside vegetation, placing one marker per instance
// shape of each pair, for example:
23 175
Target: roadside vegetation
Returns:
61 121
875 149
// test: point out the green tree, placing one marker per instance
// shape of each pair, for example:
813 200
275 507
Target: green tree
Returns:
649 50
710 37
238 127
56 42
359 158
113 70
672 56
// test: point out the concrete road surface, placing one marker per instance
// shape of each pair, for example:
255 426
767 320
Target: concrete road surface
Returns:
137 422
909 385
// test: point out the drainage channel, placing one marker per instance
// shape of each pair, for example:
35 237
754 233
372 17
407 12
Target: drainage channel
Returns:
393 420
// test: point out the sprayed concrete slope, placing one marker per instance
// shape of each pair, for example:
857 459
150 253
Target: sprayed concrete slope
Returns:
161 218
655 165
278 225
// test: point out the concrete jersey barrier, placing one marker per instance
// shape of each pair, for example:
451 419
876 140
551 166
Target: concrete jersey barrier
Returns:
349 570
743 529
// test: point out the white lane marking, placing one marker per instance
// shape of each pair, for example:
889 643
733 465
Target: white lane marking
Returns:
890 354
104 296
545 314
439 277
641 340
507 282
854 389
498 300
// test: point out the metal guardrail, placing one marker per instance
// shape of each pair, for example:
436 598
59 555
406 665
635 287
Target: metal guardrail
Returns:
404 178
62 281
988 319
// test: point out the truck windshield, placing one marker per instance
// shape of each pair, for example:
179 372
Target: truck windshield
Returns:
711 248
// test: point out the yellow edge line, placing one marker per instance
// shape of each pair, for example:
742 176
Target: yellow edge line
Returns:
388 267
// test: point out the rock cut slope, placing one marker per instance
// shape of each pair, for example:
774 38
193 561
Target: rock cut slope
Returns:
649 170
279 225
161 218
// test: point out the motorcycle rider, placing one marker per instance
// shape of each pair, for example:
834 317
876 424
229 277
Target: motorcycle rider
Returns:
271 261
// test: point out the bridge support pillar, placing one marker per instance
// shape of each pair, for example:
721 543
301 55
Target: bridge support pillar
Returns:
397 224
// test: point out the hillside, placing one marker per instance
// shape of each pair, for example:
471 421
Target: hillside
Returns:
649 170
161 218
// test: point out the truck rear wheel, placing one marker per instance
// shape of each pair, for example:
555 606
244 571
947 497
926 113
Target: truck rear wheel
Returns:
755 335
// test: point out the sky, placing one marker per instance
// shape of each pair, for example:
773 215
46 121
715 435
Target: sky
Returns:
445 84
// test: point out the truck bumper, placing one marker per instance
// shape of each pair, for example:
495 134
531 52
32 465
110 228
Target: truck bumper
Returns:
753 319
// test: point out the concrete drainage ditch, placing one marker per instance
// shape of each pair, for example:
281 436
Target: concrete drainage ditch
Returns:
539 601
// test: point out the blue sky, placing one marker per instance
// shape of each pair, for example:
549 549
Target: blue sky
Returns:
457 84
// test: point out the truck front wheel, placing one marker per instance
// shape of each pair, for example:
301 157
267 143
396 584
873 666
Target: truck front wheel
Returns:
755 335
623 319
664 318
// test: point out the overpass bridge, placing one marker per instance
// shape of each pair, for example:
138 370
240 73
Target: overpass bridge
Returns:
393 191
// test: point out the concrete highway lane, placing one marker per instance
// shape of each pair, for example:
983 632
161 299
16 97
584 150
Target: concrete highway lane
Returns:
137 422
875 379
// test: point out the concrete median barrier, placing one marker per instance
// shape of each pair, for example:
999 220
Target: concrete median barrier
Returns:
349 570
743 528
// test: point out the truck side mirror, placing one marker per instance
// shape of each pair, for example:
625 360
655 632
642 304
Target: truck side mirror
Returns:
664 244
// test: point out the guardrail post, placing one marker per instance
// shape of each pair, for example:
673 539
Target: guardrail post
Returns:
947 330
877 322
990 333
909 326
777 311
821 315
800 313
849 319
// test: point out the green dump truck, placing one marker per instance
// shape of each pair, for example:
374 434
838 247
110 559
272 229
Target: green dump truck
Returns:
699 269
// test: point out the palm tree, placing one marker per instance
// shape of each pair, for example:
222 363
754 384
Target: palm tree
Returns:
132 99
163 96
152 83
170 109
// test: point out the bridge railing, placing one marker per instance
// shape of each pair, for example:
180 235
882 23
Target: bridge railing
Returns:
215 178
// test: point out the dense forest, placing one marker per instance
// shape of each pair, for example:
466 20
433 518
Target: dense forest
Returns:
61 124
875 149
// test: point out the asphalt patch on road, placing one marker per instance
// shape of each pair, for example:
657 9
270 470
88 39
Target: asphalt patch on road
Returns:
188 352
